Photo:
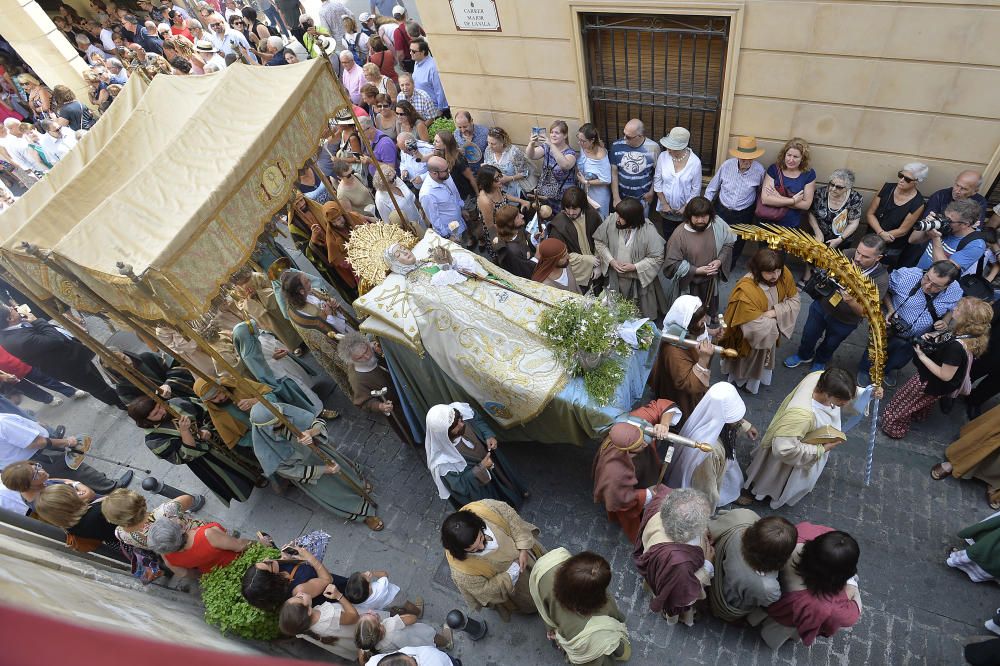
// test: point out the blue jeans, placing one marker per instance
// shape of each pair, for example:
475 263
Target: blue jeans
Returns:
818 323
278 23
899 353
31 381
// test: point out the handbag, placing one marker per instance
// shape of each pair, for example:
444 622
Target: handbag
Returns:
145 565
547 186
772 213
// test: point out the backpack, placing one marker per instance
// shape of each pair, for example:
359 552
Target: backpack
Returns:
354 49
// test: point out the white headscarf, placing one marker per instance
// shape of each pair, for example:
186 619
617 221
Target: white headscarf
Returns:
442 456
721 405
681 311
394 264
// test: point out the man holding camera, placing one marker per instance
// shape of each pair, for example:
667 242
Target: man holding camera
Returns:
951 235
917 302
834 313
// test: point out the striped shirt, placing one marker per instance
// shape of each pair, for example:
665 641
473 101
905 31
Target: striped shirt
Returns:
912 306
737 189
422 102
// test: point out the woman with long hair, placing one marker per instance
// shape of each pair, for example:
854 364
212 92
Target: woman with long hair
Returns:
594 168
513 251
790 183
61 505
446 146
410 121
386 120
383 57
943 363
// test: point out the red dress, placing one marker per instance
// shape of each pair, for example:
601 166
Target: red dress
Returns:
202 555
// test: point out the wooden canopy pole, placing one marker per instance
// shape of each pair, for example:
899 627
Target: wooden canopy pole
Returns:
193 335
371 153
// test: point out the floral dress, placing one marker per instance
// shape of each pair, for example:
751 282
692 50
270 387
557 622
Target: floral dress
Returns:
513 162
833 222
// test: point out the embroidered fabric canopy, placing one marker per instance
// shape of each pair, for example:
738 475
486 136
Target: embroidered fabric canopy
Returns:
177 181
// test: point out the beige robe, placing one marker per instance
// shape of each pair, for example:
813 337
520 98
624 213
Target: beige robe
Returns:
642 247
582 265
263 306
498 591
762 334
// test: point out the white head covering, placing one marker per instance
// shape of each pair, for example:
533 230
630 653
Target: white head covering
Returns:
442 456
394 264
722 404
681 311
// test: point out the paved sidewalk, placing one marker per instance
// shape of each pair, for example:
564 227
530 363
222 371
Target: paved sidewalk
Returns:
916 610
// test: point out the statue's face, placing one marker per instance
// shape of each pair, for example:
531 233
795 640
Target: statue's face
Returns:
404 256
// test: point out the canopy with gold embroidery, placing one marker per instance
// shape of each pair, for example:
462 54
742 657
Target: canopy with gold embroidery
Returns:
176 183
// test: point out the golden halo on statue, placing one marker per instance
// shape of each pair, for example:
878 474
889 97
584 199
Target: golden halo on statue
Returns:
366 251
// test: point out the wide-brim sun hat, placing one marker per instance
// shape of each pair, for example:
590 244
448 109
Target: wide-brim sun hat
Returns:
746 148
678 139
204 46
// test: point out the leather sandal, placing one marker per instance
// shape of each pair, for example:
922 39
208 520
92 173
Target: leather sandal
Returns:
993 499
938 472
374 523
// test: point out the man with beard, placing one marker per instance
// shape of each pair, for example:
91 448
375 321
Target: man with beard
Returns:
371 385
553 266
762 308
835 317
575 226
465 463
631 252
696 260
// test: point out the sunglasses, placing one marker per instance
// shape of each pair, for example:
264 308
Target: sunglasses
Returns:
905 177
837 187
382 106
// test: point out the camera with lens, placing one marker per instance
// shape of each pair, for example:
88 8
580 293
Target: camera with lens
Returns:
932 342
820 286
898 327
934 221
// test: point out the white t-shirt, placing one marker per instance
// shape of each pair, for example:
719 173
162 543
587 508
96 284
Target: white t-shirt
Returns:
381 595
16 435
425 656
12 501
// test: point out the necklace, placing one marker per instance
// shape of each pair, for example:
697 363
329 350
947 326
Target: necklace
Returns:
682 157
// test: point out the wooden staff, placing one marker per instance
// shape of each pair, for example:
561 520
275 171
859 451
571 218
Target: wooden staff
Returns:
193 335
689 342
495 283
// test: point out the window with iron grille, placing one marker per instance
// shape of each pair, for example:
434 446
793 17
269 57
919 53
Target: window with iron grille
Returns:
665 70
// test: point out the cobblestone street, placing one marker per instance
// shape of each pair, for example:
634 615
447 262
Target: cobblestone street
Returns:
916 610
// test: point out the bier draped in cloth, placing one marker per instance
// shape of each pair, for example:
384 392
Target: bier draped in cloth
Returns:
484 337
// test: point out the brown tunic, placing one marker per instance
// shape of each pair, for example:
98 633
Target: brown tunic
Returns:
674 378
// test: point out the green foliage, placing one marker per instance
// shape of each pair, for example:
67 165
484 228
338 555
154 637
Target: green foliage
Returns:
583 334
440 125
602 382
225 607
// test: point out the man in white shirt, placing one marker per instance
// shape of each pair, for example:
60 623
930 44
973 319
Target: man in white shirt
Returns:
412 656
87 49
226 40
57 140
331 17
413 154
210 54
736 184
23 439
441 201
106 34
17 147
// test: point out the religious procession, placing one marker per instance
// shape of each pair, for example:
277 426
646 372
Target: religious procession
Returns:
644 396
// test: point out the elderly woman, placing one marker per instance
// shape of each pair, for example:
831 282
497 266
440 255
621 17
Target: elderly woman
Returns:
63 506
404 196
896 208
270 583
325 475
819 588
676 178
581 617
374 76
170 379
128 510
515 169
29 478
835 213
789 183
512 247
942 367
352 194
188 441
558 163
193 551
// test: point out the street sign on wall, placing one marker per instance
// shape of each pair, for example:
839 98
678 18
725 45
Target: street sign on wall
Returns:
477 15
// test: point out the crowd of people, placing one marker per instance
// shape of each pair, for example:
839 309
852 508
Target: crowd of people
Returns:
631 217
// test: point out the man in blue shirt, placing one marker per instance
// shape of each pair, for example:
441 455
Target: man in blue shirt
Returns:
471 138
425 75
966 186
633 160
963 246
919 300
441 201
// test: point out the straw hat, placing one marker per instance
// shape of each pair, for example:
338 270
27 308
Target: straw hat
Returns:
204 46
677 139
746 148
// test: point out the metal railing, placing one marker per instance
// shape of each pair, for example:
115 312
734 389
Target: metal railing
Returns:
664 70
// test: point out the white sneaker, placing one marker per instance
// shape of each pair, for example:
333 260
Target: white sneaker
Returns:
992 626
56 401
80 394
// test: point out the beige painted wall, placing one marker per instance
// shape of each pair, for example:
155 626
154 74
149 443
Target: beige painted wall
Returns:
871 84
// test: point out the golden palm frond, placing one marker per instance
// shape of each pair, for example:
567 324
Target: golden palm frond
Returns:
844 271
